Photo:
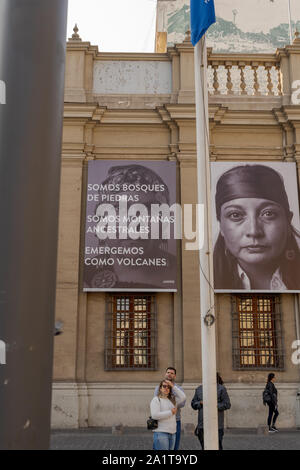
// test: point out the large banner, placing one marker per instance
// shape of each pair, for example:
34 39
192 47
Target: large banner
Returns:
255 221
242 26
129 241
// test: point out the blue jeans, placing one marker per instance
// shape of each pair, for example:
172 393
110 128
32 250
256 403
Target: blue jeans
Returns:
178 433
163 441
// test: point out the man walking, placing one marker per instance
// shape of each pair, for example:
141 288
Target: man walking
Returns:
171 375
223 404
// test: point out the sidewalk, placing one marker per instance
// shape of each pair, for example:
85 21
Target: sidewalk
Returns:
101 439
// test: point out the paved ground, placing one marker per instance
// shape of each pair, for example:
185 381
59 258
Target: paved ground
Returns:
99 439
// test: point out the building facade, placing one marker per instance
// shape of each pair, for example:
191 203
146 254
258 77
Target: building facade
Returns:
141 107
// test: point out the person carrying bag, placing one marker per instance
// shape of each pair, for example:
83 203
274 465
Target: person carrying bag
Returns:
270 399
163 409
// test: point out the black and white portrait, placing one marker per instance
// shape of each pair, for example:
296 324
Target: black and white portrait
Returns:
255 226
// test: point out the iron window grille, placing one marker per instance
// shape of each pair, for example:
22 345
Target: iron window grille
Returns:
257 332
130 332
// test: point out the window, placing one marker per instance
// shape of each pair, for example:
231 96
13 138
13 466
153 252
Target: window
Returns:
130 332
257 332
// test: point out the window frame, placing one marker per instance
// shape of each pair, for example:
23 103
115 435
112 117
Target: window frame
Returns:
252 326
131 321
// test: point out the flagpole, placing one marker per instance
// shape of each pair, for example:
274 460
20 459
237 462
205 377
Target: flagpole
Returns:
290 22
208 342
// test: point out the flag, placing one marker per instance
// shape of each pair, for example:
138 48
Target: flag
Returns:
202 16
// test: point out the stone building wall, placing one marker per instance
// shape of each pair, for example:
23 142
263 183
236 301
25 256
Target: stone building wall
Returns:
110 115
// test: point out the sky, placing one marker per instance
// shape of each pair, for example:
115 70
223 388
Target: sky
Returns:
114 25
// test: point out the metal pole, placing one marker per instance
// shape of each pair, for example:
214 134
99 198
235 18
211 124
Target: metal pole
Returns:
32 64
290 22
208 344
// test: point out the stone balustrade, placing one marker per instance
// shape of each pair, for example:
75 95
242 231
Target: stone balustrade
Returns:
244 74
267 78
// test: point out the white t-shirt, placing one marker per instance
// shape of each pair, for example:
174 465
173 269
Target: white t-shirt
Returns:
161 410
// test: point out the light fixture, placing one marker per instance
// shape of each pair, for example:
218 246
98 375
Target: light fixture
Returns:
209 319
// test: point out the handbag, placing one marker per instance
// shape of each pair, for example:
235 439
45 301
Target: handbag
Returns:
266 396
152 423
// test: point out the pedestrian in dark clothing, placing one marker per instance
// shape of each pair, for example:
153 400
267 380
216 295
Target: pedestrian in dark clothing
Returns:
270 398
223 404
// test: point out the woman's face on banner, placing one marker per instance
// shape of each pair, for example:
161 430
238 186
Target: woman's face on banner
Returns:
255 230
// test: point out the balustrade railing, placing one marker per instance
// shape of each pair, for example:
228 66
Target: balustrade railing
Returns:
244 74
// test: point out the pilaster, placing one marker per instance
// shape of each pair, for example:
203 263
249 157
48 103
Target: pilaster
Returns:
79 69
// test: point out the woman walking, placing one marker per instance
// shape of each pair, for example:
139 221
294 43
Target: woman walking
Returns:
163 408
270 398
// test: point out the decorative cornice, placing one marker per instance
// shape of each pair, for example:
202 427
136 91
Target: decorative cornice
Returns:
181 111
73 148
79 110
132 56
236 58
82 46
237 152
172 52
245 118
131 116
223 115
292 112
83 111
131 152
